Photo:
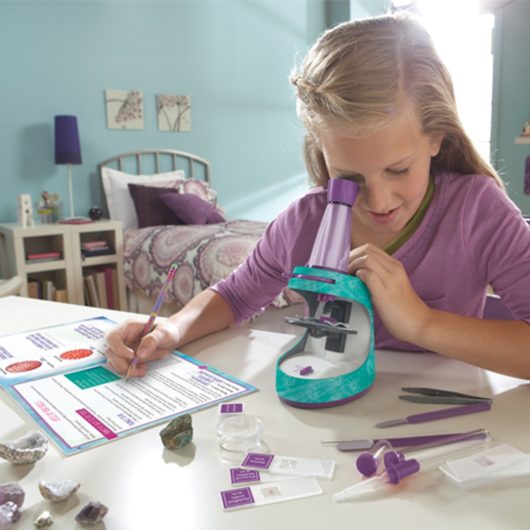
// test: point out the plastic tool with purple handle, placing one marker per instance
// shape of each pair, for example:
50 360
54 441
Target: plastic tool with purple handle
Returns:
438 414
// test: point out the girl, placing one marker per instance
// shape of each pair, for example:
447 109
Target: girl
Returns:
432 227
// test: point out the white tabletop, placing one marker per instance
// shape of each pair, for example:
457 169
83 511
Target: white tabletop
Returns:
147 486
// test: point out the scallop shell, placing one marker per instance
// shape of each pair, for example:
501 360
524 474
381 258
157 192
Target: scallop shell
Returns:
26 449
58 491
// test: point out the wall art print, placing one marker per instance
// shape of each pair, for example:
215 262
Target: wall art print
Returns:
125 109
174 112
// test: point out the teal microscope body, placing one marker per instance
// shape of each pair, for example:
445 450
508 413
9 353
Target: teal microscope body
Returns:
339 336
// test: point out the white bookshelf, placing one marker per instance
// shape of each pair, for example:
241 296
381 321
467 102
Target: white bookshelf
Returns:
68 271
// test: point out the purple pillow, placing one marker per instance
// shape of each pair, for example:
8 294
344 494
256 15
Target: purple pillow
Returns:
191 209
149 208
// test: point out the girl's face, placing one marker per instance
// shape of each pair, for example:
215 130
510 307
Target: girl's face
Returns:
392 168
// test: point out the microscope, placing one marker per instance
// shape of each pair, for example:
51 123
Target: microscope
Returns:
334 361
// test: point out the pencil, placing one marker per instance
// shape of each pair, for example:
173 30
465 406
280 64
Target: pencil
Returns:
154 313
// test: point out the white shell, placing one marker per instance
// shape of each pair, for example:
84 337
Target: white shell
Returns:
58 491
26 449
43 520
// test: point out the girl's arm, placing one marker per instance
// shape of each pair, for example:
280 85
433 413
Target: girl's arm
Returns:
206 313
501 346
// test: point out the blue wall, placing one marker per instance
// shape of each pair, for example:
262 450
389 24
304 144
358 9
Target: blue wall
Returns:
512 96
232 57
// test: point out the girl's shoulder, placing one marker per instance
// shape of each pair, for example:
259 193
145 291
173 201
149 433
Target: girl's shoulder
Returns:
309 205
460 189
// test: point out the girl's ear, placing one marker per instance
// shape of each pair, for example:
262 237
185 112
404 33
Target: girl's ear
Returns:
436 144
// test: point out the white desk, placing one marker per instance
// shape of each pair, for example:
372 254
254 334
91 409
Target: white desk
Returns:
148 487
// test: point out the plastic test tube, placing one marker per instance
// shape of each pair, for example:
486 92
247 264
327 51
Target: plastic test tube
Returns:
393 474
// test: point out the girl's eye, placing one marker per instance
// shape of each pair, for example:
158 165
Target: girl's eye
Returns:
398 171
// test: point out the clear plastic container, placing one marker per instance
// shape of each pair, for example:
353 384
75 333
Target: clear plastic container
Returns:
239 433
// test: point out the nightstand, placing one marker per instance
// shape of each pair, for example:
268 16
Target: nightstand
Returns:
52 264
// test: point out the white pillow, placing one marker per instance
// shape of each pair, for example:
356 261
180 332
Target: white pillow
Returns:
119 201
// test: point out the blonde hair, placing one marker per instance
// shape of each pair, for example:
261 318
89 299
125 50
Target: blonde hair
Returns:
356 74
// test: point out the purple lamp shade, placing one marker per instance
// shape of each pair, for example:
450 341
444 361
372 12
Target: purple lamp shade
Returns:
67 147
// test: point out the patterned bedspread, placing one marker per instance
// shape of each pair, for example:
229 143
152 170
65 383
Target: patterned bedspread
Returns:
204 254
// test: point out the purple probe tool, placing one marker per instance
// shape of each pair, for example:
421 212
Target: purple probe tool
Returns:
438 414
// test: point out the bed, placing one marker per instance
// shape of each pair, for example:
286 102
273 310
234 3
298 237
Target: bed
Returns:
139 189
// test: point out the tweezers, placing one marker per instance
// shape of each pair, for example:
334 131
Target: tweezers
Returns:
436 395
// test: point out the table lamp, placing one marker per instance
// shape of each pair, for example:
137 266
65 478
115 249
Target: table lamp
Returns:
68 152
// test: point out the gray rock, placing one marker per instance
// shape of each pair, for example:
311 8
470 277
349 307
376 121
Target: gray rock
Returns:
58 491
43 520
12 491
92 513
26 449
178 432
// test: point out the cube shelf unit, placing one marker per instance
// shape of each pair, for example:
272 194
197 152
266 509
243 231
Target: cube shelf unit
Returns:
67 273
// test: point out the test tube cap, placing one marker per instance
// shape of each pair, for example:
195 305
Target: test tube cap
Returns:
392 458
366 464
397 472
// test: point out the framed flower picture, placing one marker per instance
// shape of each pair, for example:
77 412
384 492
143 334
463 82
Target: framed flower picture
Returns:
125 109
174 112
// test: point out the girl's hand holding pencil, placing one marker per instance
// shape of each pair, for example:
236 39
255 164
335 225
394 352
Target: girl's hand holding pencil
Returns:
133 344
127 342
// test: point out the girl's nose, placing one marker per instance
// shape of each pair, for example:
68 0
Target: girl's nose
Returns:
376 197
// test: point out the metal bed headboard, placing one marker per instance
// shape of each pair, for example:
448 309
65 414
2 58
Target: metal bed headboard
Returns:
156 158
190 162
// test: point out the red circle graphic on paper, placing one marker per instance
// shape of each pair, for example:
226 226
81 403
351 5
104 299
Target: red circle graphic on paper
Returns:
23 366
73 355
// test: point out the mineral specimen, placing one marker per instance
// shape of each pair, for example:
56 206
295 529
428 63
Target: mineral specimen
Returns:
58 491
9 513
12 491
177 433
43 520
92 513
26 449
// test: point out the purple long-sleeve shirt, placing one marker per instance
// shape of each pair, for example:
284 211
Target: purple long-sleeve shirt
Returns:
472 236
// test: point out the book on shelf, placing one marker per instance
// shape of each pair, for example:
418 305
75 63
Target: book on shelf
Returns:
43 256
103 251
101 288
61 296
91 291
34 288
100 243
99 277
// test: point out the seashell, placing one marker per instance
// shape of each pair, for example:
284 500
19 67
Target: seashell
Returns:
12 491
9 513
58 491
43 520
92 513
26 449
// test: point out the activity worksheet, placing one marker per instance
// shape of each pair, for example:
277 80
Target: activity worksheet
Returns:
91 405
34 353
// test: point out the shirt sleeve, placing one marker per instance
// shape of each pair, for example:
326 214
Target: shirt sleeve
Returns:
286 243
499 240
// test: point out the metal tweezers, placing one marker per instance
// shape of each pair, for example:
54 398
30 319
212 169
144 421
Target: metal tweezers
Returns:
436 395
